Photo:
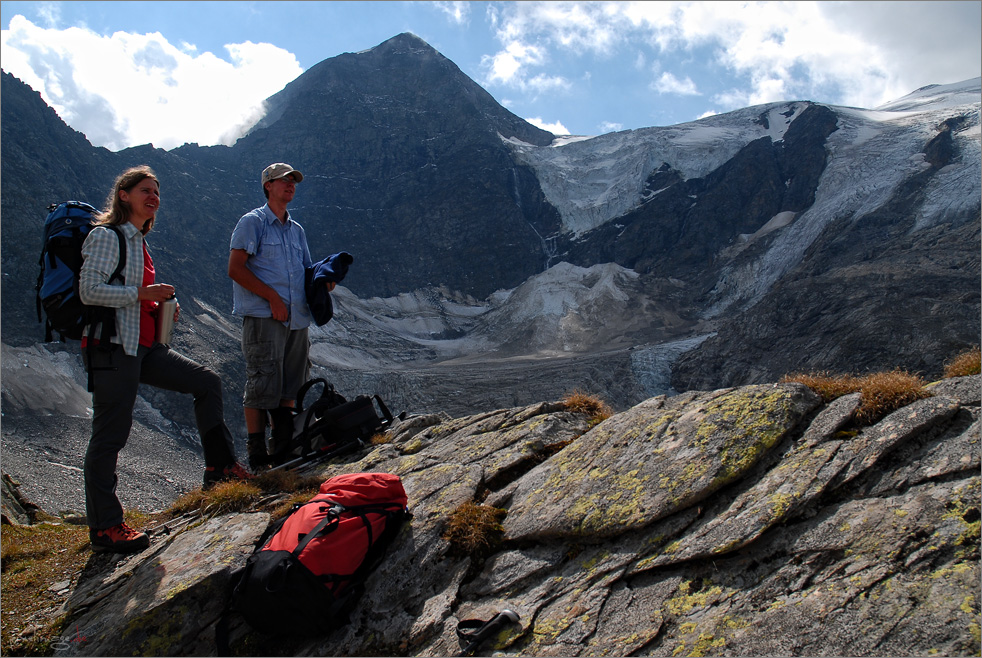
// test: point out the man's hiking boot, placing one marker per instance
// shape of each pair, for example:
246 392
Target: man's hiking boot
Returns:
118 539
259 463
234 471
258 458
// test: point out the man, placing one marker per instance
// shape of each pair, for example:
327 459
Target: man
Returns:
267 259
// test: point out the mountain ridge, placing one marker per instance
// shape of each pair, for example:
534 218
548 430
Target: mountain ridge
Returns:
794 235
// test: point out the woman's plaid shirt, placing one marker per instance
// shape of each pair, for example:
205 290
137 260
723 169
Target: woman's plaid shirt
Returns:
101 253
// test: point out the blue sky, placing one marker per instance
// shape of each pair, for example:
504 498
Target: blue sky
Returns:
129 73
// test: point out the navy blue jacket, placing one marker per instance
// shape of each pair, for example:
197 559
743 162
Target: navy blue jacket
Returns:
333 268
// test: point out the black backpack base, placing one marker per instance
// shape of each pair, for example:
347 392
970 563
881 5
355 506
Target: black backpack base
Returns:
287 581
331 427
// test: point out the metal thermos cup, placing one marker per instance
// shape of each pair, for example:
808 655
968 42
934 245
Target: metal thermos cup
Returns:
165 319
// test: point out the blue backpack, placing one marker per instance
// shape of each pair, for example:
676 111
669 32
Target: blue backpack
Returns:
65 229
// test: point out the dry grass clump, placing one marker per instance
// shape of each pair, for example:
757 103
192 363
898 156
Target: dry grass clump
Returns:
223 498
967 363
286 481
379 438
283 508
829 387
475 530
588 405
240 495
882 392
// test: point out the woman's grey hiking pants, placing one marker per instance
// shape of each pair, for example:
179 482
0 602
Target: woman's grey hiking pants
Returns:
115 380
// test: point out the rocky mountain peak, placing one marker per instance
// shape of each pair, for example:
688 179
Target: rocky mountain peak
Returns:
405 43
403 75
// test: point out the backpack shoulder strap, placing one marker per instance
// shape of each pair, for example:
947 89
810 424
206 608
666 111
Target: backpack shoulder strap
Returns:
327 525
121 261
302 393
384 409
103 315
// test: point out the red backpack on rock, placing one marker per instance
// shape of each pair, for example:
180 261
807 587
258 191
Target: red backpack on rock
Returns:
310 568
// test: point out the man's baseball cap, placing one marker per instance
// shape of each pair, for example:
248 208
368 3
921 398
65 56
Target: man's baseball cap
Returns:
279 170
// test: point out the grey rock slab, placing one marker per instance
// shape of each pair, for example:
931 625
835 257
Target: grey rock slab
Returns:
165 600
659 457
967 390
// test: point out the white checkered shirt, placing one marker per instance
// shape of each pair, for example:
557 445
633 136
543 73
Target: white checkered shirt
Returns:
101 253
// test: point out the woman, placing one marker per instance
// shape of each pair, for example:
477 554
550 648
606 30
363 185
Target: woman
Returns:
133 356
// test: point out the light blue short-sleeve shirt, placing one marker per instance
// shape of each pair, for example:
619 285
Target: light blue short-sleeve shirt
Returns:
278 256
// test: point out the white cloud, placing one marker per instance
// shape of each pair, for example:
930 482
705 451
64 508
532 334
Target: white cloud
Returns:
458 12
161 94
610 127
507 65
669 84
50 13
853 53
542 83
556 128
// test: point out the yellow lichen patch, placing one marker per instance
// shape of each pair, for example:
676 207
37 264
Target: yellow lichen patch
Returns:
947 572
545 632
657 426
412 446
750 422
963 508
780 504
590 564
177 589
707 643
685 602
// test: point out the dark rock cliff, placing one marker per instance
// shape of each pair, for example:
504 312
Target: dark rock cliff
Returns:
406 165
875 284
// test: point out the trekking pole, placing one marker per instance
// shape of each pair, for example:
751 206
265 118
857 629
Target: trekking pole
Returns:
485 630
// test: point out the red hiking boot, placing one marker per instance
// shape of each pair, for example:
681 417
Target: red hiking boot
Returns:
233 471
118 539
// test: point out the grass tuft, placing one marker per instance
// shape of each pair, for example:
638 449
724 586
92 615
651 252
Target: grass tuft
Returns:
828 386
285 481
241 496
882 392
589 405
967 363
223 498
379 438
475 530
283 508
